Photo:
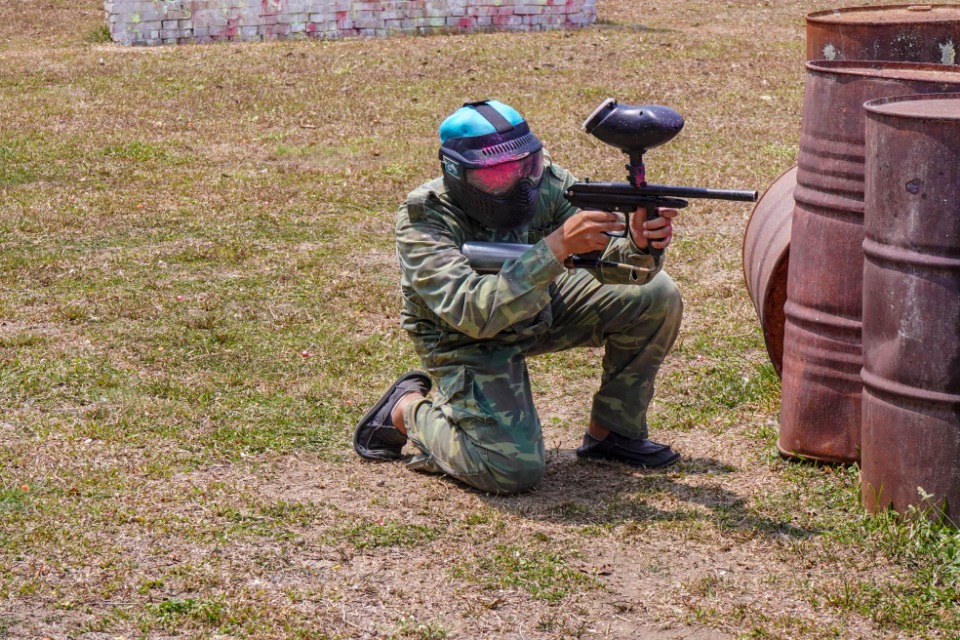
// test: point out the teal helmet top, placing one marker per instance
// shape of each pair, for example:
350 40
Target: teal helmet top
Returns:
466 122
481 134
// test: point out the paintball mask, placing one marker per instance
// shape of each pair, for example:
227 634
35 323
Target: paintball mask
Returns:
492 164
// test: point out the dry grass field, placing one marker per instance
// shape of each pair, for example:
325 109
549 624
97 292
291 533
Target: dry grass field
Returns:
199 298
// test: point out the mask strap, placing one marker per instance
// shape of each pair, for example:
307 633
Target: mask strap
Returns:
501 124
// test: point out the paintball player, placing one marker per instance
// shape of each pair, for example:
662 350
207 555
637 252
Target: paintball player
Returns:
474 332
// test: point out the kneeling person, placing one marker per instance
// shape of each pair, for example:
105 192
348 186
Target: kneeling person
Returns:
473 332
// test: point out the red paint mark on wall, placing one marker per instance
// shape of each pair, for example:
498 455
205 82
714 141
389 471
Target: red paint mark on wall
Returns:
233 27
272 7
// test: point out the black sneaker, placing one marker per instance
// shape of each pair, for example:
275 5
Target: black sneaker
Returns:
636 453
375 437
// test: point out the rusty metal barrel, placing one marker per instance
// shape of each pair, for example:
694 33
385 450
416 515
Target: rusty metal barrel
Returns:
911 304
766 255
821 399
903 33
907 33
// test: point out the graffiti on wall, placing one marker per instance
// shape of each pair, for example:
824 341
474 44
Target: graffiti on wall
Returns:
153 22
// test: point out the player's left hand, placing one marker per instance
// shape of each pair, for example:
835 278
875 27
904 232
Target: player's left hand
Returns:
657 232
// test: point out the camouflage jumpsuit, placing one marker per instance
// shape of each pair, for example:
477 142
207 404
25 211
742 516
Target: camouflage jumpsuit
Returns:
473 333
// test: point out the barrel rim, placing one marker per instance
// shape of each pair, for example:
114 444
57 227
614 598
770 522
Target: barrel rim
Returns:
823 16
877 69
743 243
875 106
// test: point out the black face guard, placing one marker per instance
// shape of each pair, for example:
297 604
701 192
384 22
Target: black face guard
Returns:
512 210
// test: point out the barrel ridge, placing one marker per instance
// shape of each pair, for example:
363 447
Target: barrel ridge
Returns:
905 395
893 255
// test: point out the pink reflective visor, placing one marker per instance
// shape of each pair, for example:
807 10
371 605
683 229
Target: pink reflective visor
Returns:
499 179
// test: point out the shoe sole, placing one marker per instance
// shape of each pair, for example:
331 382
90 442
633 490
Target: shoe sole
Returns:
637 465
374 454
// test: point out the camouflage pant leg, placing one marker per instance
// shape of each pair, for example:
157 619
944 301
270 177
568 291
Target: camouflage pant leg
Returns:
636 325
482 427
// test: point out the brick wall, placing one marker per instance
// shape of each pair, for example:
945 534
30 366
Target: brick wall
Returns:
152 22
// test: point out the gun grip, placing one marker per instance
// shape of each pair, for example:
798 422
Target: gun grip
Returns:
626 229
652 214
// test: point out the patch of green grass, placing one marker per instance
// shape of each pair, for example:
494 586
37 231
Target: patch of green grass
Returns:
785 153
922 599
474 519
275 520
544 574
19 158
147 586
909 608
6 623
372 534
100 35
779 626
717 392
13 499
174 612
929 548
137 151
83 378
22 339
409 628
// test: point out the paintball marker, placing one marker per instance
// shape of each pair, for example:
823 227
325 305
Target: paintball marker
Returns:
634 130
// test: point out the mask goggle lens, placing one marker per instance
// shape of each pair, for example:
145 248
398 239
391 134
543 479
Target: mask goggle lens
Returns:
499 179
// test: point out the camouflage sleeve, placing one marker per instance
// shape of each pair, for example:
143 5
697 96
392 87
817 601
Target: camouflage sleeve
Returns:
480 306
625 250
559 204
618 250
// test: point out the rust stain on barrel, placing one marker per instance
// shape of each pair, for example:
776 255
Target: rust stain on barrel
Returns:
821 400
911 326
908 33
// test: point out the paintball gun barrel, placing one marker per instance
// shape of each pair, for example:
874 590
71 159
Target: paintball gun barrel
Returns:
634 130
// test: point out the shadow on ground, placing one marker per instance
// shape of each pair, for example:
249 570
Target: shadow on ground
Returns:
696 491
